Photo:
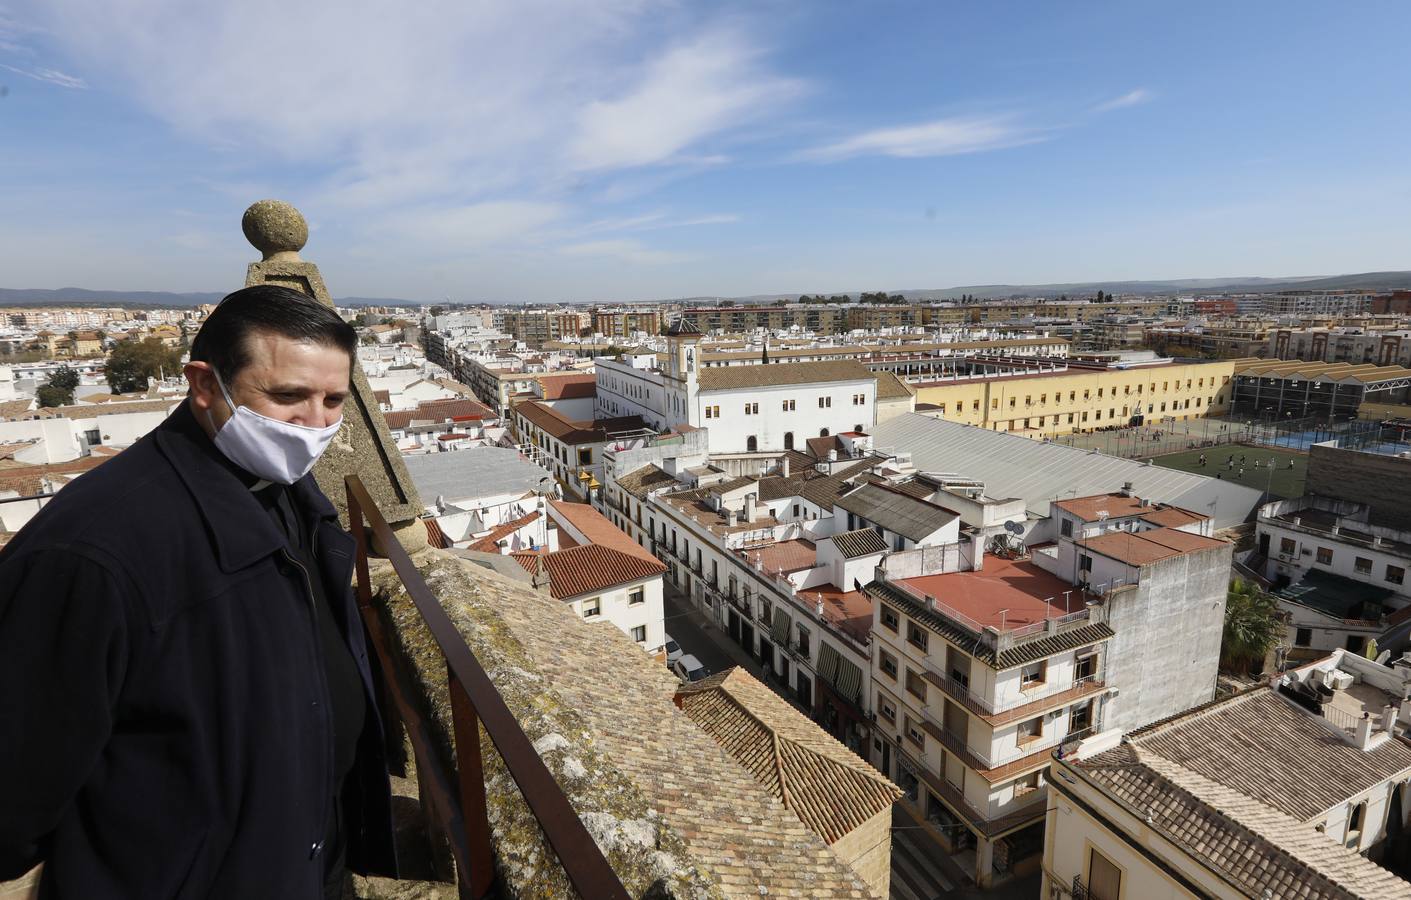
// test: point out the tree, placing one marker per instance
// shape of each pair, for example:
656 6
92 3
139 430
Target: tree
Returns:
132 363
1253 626
58 390
438 311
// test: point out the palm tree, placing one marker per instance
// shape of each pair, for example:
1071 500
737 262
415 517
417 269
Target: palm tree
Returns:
1253 626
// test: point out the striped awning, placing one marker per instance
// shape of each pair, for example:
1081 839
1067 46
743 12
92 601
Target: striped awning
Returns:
828 660
780 628
849 680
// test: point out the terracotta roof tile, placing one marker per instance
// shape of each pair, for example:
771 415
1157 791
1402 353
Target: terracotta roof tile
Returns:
588 568
825 784
730 378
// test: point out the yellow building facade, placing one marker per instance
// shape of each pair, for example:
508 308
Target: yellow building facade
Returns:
1079 399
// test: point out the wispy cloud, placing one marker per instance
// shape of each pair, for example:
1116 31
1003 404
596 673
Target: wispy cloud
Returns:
689 93
49 76
941 137
1131 98
628 251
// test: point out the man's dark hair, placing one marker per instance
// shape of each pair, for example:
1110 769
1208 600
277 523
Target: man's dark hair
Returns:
223 340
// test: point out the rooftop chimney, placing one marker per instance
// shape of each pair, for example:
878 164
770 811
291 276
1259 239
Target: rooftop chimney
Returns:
1127 489
1364 731
751 510
930 603
730 518
784 467
833 455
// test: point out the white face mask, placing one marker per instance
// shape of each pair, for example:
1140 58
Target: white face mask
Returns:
271 449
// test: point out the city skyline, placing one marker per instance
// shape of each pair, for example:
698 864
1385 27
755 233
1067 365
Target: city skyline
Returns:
636 151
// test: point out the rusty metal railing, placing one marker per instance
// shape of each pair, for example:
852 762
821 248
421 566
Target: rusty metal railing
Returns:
458 799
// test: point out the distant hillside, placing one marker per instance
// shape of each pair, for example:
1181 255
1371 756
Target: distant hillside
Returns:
82 297
1376 281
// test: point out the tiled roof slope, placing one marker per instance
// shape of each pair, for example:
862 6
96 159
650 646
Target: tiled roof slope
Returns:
897 511
645 480
890 387
745 838
1264 747
588 568
824 783
597 528
862 542
731 378
1258 849
489 542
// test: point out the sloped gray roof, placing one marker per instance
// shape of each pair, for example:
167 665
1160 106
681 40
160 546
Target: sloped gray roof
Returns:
895 511
474 472
1015 466
862 542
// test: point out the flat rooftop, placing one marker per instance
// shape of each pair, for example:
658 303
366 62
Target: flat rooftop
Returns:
785 556
1006 594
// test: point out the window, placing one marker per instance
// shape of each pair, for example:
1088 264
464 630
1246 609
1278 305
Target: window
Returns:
915 635
1354 824
639 634
825 402
1033 674
788 440
822 432
1084 664
1030 731
1287 546
1362 565
1395 574
888 664
751 409
801 642
585 457
915 685
636 595
886 710
1325 556
1066 527
1303 637
789 405
751 444
1026 785
889 617
1085 562
914 732
708 413
1104 878
592 607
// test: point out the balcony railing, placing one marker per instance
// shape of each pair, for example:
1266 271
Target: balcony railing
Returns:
458 798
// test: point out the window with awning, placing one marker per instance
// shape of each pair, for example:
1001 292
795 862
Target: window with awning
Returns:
842 674
780 627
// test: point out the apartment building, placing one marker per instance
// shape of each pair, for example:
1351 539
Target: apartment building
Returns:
534 327
1079 395
1338 576
1293 789
986 663
623 323
1310 304
1356 346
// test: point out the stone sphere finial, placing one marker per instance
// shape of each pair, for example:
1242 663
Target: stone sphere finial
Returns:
276 229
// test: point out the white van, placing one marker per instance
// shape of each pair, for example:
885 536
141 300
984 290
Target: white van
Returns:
689 669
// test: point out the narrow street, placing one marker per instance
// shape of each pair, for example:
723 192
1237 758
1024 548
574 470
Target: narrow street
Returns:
921 870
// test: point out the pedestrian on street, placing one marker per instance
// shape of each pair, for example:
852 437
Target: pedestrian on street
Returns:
188 707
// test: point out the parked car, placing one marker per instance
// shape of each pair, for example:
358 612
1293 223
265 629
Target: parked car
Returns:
673 650
689 669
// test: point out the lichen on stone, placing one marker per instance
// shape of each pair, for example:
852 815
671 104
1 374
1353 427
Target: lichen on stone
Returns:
649 857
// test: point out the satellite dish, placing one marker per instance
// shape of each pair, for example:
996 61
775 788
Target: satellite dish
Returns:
1013 527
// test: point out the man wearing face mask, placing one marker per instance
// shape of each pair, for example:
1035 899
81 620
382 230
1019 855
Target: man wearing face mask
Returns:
186 706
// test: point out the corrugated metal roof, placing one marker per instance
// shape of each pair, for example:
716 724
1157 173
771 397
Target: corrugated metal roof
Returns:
1015 466
862 542
895 511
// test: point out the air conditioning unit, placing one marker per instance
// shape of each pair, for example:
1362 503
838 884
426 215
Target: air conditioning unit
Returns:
1339 681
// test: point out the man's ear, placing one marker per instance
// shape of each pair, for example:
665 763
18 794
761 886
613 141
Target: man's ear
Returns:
202 379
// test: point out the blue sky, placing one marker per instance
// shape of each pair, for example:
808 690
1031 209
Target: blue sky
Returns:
626 149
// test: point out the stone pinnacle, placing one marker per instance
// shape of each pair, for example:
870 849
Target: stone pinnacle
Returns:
276 229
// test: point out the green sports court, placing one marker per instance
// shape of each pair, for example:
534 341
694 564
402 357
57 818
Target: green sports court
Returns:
1280 483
